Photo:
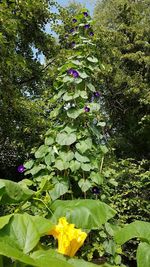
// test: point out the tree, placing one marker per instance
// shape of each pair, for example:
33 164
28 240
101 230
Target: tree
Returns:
123 35
22 25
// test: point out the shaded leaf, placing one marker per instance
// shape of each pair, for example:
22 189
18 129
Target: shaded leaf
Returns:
94 212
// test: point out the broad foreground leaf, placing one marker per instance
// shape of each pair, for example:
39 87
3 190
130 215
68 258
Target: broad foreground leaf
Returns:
143 255
137 229
84 213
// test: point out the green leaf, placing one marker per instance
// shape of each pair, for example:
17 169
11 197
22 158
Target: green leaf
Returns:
101 123
74 113
92 59
83 94
74 165
77 62
96 177
12 192
65 139
104 149
81 158
48 159
13 253
82 263
70 96
24 231
42 151
84 185
94 212
50 258
137 229
143 255
83 74
61 165
49 140
94 107
5 220
29 164
91 87
66 156
67 79
60 189
36 169
84 145
86 167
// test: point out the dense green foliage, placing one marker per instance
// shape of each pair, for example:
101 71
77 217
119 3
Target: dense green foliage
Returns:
86 117
123 43
22 79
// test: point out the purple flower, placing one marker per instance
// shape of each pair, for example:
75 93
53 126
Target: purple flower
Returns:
85 14
73 44
97 94
87 26
91 33
92 99
86 109
74 20
72 30
21 168
95 190
73 73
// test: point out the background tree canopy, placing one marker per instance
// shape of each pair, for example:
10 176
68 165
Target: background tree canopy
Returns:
22 33
123 32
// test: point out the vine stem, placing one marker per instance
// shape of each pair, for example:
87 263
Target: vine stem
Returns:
35 198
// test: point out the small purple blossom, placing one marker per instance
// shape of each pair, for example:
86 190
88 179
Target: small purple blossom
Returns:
74 20
85 14
91 33
95 190
73 73
71 30
86 109
21 168
87 26
92 99
97 94
73 44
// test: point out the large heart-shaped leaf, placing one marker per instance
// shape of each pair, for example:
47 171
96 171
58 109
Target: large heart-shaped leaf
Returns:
94 212
12 192
137 229
74 113
143 255
66 139
23 231
42 151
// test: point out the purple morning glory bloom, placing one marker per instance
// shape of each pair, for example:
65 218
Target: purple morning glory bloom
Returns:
95 190
74 20
87 26
86 109
97 94
91 33
73 44
21 168
73 72
72 30
85 14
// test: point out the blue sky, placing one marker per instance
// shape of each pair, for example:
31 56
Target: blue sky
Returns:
89 4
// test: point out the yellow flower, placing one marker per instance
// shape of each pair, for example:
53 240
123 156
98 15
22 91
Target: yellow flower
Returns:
69 238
